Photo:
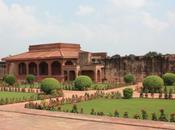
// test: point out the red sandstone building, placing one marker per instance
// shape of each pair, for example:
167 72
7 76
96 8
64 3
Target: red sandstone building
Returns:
59 60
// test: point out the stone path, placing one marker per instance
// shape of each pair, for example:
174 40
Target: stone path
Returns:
16 117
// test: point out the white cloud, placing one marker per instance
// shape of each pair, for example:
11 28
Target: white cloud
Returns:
114 32
85 10
129 3
154 23
171 17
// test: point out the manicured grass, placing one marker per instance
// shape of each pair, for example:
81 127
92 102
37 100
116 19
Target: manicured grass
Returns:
132 106
16 95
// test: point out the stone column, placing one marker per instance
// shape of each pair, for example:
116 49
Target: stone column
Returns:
49 68
37 63
7 67
27 67
62 70
95 75
68 78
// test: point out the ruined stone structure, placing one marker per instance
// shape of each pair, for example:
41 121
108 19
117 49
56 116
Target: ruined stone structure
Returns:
140 66
66 61
59 60
2 69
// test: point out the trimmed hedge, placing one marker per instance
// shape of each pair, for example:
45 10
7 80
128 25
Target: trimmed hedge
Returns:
129 78
169 78
30 78
48 85
127 93
82 82
153 83
10 79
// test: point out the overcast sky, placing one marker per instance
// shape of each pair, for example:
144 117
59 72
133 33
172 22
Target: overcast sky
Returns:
115 26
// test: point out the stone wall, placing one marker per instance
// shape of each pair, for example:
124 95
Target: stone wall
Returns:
140 66
2 69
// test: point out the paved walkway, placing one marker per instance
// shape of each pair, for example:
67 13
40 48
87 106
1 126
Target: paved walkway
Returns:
16 117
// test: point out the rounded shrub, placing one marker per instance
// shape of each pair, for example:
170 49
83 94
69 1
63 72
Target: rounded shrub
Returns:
30 78
127 93
153 83
169 78
48 85
129 78
10 79
82 82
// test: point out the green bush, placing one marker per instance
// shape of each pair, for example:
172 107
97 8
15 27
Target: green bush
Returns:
169 78
30 78
129 78
48 85
10 79
83 82
127 93
153 82
4 77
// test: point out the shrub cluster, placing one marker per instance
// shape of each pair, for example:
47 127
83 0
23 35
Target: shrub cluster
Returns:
9 79
153 83
129 78
30 78
83 82
127 93
48 85
169 78
104 86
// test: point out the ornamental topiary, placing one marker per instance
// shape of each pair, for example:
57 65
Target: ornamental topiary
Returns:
82 82
30 78
10 79
169 78
48 85
127 93
153 82
129 78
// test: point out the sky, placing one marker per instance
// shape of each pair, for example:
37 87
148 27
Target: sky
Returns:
113 26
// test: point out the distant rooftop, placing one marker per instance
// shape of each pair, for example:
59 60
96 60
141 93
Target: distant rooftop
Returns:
48 51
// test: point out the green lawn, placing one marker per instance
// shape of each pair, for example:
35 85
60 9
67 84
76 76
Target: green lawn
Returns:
132 106
16 95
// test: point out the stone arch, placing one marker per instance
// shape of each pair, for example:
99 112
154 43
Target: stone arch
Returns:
22 69
69 62
33 68
72 75
56 68
43 68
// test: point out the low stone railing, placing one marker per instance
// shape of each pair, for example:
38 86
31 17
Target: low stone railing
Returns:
14 89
